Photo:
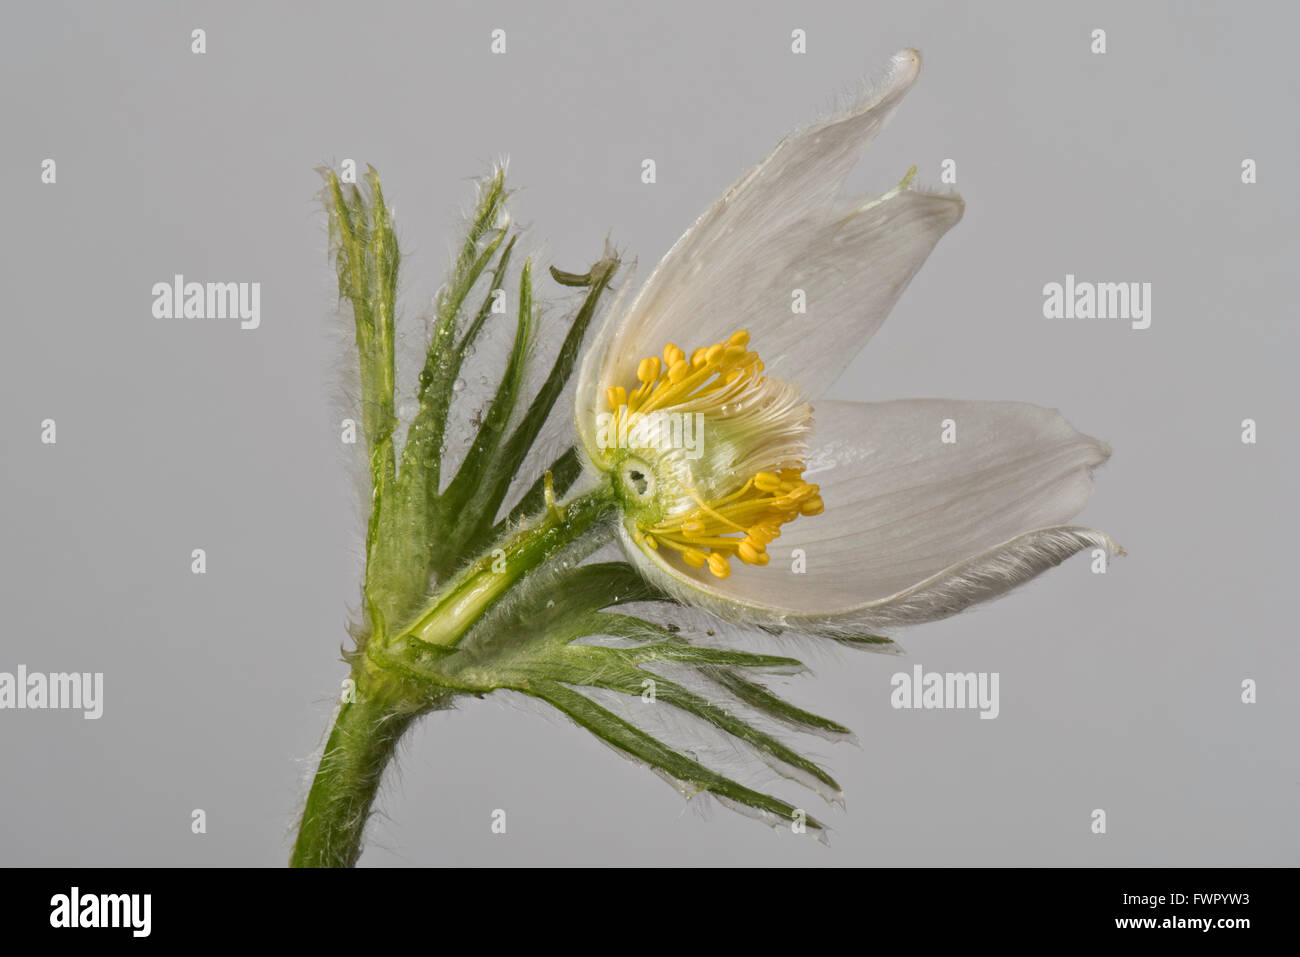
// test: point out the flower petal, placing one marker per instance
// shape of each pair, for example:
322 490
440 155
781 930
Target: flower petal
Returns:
782 227
914 529
589 394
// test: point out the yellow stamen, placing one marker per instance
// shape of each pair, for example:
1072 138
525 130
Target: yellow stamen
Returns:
718 565
742 522
694 557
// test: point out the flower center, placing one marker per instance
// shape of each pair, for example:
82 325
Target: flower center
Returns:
726 493
637 479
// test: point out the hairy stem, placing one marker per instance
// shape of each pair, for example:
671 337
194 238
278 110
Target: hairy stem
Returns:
391 691
482 583
361 744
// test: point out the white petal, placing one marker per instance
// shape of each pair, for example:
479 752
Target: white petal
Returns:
914 529
781 227
589 394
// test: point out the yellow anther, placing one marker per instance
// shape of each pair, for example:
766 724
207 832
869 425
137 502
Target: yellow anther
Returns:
800 492
743 517
718 565
694 557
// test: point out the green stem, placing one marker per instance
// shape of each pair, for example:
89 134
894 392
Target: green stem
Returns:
361 744
456 607
389 697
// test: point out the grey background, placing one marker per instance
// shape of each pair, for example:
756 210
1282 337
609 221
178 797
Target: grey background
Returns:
1118 691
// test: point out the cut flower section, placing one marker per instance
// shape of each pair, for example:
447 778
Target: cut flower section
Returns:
727 491
745 494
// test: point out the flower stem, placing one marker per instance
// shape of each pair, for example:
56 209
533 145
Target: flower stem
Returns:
463 600
390 692
362 742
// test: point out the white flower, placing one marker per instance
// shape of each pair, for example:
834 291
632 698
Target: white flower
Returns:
727 464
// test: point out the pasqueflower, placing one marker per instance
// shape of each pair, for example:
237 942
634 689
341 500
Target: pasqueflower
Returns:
707 450
791 511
